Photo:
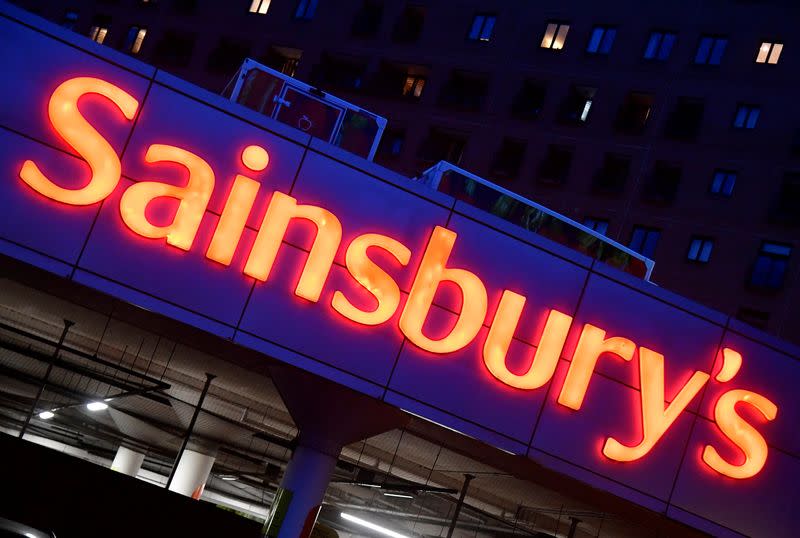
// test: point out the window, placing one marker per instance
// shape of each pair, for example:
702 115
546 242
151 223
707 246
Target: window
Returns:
611 178
368 19
226 58
283 59
634 113
392 142
751 316
746 117
508 159
601 40
465 91
413 86
482 26
305 10
769 269
98 34
685 121
133 42
722 182
710 50
69 20
659 46
662 186
555 166
769 53
555 35
786 209
339 72
700 249
399 81
185 7
260 6
576 106
175 48
644 240
443 145
598 225
529 102
408 27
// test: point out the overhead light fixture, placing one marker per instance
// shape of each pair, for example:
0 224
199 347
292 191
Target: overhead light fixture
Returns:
399 495
96 406
365 485
46 415
229 477
372 526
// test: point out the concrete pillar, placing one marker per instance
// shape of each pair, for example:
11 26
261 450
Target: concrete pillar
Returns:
127 461
192 473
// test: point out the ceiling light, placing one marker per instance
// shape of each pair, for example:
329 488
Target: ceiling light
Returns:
46 415
400 495
372 526
96 406
228 477
368 485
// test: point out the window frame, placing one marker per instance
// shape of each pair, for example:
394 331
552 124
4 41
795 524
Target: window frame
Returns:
727 175
659 46
259 7
559 26
752 113
709 60
479 36
769 52
601 47
647 232
772 258
702 254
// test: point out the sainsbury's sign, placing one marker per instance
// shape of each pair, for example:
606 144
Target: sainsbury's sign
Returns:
657 415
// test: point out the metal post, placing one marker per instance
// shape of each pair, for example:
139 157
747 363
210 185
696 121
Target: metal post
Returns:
467 479
53 357
573 527
188 434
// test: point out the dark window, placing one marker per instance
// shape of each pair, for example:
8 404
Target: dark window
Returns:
611 178
69 20
710 50
185 7
333 72
555 35
601 40
598 225
399 81
659 46
746 117
408 27
392 142
508 159
482 27
174 49
722 182
368 19
529 102
443 145
751 316
634 113
685 121
228 56
769 269
786 209
662 186
700 249
283 59
644 240
305 10
466 91
555 166
576 105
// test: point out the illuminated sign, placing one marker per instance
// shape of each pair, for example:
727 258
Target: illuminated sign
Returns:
657 415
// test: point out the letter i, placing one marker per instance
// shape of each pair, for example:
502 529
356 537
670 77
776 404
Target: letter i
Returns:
237 208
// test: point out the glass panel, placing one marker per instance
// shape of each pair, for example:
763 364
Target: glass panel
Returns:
549 34
487 28
666 46
705 253
776 249
718 51
763 52
694 249
358 133
594 41
741 116
477 24
752 118
703 50
608 41
561 37
308 114
776 53
652 45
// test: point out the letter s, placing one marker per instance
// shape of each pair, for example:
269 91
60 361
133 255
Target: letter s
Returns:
741 433
83 138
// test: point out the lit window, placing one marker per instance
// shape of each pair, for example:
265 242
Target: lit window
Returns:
554 36
413 86
769 53
98 34
305 9
710 50
700 249
482 27
601 40
722 183
259 6
133 43
770 266
598 225
659 46
746 117
644 240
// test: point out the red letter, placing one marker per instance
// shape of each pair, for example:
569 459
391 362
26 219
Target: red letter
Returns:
433 271
83 138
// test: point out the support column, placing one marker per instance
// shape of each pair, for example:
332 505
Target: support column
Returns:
191 473
127 461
